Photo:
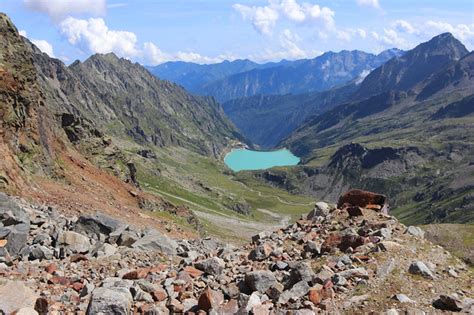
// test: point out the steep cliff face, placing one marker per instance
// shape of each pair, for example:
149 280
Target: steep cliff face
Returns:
25 140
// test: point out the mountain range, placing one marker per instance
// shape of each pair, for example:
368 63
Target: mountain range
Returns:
242 78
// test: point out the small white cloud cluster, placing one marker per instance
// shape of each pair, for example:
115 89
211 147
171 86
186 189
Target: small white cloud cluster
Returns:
264 18
93 35
369 3
400 31
59 9
42 44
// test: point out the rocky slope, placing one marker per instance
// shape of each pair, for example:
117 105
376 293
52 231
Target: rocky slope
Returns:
127 101
349 259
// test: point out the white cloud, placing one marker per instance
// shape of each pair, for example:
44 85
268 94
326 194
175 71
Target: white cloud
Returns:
22 33
289 49
153 55
264 18
44 46
404 26
362 33
369 3
390 39
463 32
93 35
344 36
59 9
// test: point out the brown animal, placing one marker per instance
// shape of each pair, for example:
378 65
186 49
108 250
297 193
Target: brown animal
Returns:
364 199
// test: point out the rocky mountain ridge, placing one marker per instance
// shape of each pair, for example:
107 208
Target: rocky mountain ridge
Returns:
353 258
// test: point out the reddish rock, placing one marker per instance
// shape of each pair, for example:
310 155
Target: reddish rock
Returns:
362 198
351 240
77 286
210 299
137 274
175 306
158 269
78 257
230 307
332 241
193 272
314 296
159 295
51 268
59 280
327 293
354 211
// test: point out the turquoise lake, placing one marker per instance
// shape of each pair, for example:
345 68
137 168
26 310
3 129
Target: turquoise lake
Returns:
243 159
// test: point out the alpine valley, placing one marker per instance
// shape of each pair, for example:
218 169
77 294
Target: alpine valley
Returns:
115 197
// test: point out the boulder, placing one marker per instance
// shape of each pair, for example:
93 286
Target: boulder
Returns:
14 295
419 268
110 301
321 209
260 280
212 266
154 240
16 226
76 242
363 199
402 298
415 231
448 303
299 290
210 299
95 225
260 252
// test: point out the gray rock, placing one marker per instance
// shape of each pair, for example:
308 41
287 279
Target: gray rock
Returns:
402 298
40 252
212 266
415 231
154 240
419 268
261 236
383 270
321 209
17 238
94 225
260 252
300 271
355 272
260 280
87 289
76 242
14 295
312 248
299 290
110 301
11 213
128 238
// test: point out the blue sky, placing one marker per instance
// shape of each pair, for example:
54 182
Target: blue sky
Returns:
207 31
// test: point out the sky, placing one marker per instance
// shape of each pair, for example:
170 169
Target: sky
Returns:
208 31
